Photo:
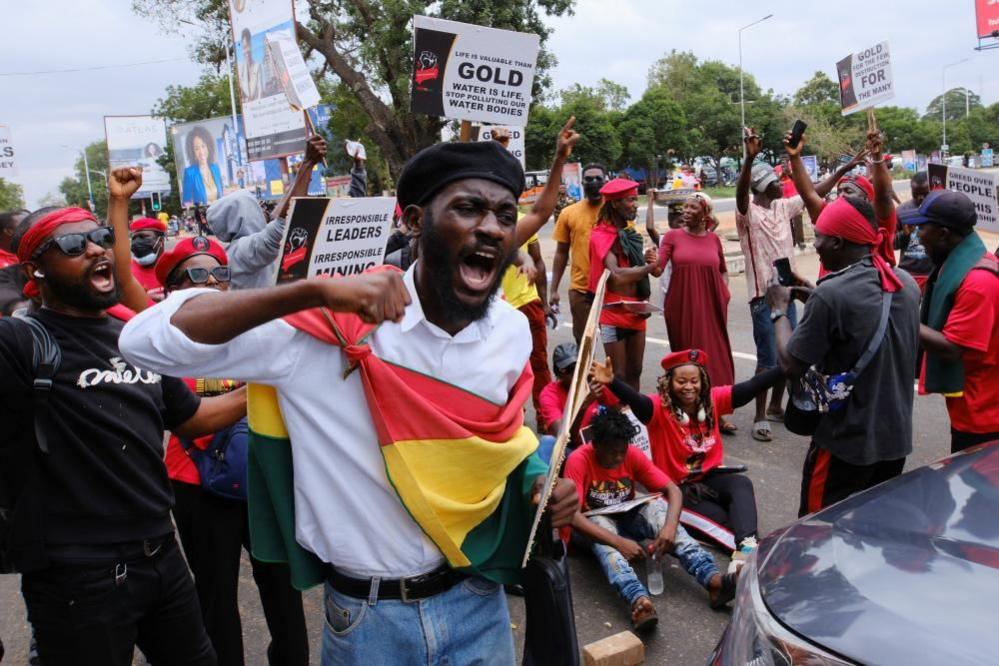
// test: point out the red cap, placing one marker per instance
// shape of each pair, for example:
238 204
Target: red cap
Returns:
619 188
185 249
148 223
685 357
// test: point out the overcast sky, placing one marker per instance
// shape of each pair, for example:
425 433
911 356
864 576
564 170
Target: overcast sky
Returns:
617 40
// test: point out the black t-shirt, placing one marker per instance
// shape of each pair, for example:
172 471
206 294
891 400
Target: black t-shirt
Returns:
839 320
103 480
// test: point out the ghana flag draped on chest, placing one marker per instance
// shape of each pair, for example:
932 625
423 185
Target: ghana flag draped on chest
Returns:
462 466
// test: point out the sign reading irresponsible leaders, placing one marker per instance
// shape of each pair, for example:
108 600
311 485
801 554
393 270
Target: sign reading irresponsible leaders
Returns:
468 72
979 186
865 79
334 236
273 128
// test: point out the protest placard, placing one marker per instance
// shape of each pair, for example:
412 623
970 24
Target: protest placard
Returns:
469 72
516 145
273 128
987 18
138 141
979 186
334 236
572 178
296 79
988 160
811 163
865 79
8 162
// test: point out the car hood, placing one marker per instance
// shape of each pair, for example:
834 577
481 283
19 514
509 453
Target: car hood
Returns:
907 572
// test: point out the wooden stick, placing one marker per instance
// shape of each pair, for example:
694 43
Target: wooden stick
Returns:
465 135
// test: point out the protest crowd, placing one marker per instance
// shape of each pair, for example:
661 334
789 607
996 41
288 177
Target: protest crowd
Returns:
171 402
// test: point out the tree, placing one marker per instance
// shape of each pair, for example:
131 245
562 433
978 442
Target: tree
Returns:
652 127
208 98
819 89
11 195
368 47
904 130
52 199
74 188
958 99
614 95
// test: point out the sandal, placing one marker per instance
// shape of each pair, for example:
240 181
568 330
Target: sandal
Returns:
775 416
725 592
643 615
727 427
761 431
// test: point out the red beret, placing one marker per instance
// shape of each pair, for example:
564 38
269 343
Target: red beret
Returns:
685 357
148 223
185 249
619 188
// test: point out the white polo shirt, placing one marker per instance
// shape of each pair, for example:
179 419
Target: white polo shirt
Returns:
346 512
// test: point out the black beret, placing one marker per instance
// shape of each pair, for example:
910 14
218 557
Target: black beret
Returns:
432 168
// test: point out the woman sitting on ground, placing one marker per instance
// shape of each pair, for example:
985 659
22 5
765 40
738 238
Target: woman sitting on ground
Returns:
683 420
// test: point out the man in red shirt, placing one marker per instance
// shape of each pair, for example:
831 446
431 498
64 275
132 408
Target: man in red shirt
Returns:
8 223
148 242
959 327
605 473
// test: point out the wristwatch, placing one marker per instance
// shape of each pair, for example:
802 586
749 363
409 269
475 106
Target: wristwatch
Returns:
776 314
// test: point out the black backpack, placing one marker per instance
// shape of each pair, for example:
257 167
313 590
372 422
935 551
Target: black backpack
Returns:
46 357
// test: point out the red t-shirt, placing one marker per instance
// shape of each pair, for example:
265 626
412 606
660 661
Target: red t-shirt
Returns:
599 487
551 404
974 324
687 451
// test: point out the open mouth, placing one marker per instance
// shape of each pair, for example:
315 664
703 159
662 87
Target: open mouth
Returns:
478 269
102 276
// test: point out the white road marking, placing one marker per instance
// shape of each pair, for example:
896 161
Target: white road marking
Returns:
665 343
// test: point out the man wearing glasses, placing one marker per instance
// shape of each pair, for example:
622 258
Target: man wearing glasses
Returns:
87 504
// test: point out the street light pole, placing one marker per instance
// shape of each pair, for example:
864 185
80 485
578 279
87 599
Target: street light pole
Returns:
943 103
742 95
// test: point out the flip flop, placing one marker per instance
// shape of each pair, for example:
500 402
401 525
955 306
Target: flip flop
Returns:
643 616
761 431
726 591
728 428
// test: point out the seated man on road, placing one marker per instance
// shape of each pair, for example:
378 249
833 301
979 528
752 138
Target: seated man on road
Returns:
556 394
606 472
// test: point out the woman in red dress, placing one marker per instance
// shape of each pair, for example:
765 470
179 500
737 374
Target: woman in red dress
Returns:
696 304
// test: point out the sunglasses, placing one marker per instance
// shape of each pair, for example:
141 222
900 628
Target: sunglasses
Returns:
201 275
73 245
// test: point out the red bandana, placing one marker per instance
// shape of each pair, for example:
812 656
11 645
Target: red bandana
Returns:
842 220
41 230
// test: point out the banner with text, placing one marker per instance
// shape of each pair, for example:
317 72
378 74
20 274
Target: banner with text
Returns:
469 72
987 18
296 79
8 162
865 79
334 236
138 141
273 128
979 186
516 145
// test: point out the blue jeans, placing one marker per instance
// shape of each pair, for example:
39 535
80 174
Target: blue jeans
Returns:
468 624
763 332
645 522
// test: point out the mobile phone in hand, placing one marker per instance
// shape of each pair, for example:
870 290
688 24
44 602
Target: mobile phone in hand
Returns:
797 130
784 275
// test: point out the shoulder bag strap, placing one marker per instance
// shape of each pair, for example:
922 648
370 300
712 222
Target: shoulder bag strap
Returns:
46 359
878 337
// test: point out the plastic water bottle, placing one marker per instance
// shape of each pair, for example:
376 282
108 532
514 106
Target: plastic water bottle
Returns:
654 575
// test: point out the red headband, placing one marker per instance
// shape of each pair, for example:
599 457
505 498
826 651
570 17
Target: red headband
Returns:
842 220
863 184
41 230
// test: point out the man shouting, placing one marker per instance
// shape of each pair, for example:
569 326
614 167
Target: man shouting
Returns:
395 390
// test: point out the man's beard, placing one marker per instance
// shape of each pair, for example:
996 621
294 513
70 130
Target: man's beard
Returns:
443 272
82 296
592 193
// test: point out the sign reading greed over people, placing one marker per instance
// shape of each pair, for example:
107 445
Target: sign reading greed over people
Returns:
979 186
468 72
516 145
334 236
865 79
8 167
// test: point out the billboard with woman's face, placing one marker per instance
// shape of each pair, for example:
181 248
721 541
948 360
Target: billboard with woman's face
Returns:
138 141
211 159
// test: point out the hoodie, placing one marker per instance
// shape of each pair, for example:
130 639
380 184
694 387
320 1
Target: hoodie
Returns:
253 244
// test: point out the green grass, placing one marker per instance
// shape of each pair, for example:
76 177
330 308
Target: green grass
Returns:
723 192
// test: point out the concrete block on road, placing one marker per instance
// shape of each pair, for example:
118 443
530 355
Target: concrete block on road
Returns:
623 649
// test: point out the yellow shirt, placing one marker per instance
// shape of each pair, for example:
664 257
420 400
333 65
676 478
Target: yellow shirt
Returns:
573 227
517 291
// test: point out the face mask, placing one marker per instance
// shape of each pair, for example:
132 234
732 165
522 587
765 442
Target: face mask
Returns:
592 189
144 251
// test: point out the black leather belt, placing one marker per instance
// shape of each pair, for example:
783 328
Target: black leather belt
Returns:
125 552
407 589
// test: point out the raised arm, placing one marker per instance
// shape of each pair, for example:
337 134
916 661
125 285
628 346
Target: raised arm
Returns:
544 205
315 150
754 145
603 374
213 414
884 204
745 392
813 200
650 217
832 180
122 184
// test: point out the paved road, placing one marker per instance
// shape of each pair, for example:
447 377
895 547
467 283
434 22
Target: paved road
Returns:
688 628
